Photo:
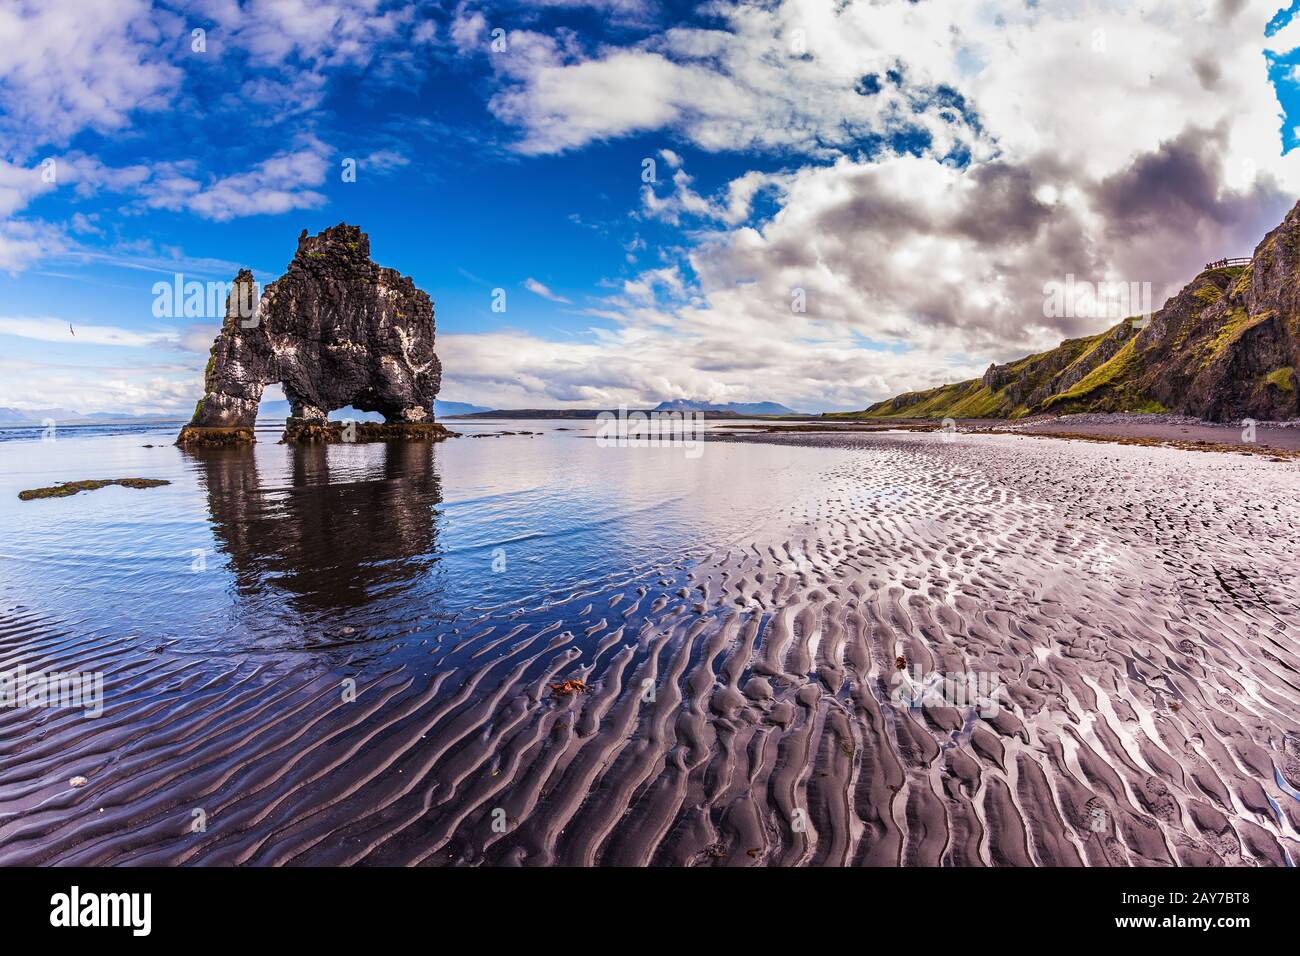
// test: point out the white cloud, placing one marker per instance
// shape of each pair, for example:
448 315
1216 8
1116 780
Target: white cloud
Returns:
85 224
19 185
385 160
322 33
682 200
278 184
74 333
145 256
296 92
1106 140
97 388
79 63
648 285
561 107
784 78
468 28
813 76
198 338
99 374
536 288
25 242
648 364
88 175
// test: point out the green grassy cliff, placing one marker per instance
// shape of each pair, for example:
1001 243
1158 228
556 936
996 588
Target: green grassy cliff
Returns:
1224 348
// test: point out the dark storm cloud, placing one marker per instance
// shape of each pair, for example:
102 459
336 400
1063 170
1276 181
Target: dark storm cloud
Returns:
1005 207
1208 72
1170 211
1228 9
1175 185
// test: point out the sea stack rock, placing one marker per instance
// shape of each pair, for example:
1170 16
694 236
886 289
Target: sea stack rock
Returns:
335 330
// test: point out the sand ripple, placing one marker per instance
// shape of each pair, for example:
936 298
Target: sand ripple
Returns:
1139 608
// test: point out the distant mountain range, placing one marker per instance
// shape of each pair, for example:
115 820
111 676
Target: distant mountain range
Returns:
441 408
740 408
1225 348
14 417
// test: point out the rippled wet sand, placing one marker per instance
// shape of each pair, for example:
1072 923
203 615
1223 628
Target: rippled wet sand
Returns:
1138 606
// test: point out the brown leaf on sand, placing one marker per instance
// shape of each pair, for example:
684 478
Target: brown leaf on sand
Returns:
565 688
900 662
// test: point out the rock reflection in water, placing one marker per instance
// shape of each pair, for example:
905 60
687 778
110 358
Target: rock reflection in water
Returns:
336 539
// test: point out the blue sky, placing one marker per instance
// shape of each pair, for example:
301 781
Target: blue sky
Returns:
917 173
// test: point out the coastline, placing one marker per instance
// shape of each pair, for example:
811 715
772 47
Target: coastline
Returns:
1274 439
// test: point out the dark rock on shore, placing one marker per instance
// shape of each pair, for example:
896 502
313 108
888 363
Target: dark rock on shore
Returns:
196 436
335 330
307 431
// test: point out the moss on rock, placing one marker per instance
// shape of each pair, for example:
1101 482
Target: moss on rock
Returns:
1283 378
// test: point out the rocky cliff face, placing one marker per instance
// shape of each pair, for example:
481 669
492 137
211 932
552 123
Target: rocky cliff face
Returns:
1225 348
335 330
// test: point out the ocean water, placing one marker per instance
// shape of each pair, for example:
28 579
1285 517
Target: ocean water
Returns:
279 547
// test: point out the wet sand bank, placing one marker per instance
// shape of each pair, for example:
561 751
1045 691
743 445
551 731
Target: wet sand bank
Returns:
1137 606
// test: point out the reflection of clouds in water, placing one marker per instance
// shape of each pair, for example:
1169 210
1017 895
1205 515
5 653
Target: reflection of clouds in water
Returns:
378 537
300 543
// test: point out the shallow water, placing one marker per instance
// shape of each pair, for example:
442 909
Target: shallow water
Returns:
348 680
280 546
